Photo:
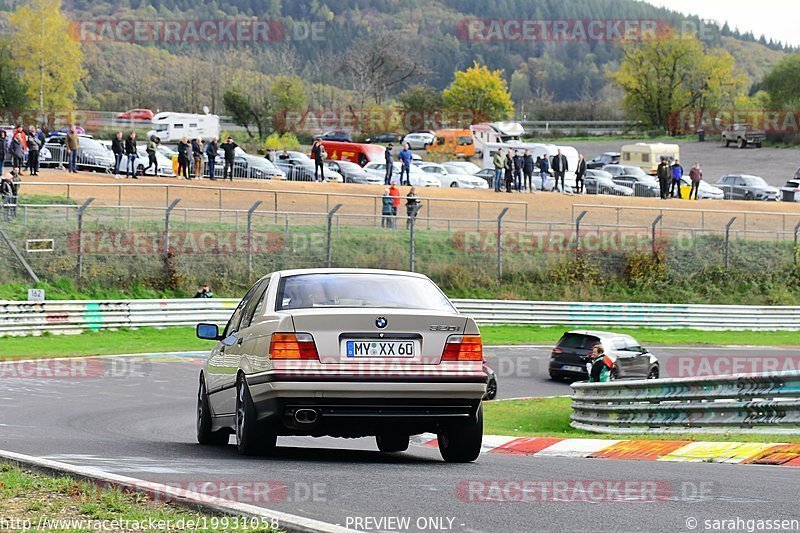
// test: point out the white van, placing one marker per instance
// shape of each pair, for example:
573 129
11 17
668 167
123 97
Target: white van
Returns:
647 156
486 134
172 127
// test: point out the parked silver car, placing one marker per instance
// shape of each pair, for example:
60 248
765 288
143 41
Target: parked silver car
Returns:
345 353
747 187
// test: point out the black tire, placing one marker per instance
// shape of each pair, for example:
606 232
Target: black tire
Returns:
454 185
556 377
748 195
392 442
758 145
614 374
140 170
252 438
491 389
204 434
653 373
741 143
462 443
727 143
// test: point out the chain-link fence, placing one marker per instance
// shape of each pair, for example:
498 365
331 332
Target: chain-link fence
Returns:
180 247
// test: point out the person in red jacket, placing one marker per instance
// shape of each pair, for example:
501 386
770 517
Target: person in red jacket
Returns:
395 194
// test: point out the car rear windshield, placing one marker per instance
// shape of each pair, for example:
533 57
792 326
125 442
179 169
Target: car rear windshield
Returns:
307 291
577 340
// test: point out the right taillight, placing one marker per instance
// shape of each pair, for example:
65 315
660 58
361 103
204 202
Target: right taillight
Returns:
463 348
292 346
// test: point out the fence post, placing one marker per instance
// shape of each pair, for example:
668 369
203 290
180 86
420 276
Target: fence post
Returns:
499 242
250 239
728 240
653 232
167 214
81 209
411 221
578 230
330 223
795 250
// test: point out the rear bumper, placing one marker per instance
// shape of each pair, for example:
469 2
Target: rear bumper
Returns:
357 407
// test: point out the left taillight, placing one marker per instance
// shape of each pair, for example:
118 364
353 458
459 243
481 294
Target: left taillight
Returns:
463 348
292 346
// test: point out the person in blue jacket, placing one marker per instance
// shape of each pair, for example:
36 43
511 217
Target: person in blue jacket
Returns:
677 174
405 158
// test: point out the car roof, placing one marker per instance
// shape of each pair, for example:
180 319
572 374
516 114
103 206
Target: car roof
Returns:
301 271
602 335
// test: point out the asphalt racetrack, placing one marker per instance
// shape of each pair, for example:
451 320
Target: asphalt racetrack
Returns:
135 416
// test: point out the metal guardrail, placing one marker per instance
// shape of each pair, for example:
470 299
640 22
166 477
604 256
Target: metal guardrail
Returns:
754 403
23 318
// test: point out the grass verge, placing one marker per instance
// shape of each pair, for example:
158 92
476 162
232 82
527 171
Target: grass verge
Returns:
65 504
549 417
177 339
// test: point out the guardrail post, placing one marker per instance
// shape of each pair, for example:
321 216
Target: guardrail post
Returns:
653 232
411 222
500 242
81 209
578 230
250 239
167 214
728 240
329 244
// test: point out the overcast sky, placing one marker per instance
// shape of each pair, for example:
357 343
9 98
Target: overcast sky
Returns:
776 19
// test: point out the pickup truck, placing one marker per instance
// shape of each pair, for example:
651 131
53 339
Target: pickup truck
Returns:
742 135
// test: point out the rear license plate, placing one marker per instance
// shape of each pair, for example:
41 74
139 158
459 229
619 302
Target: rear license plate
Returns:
375 348
570 368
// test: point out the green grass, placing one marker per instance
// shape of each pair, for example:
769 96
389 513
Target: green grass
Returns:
550 417
176 339
551 334
104 342
34 497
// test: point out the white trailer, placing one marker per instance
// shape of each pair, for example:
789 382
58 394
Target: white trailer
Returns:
172 127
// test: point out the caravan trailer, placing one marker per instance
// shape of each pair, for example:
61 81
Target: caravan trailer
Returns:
487 133
647 156
172 127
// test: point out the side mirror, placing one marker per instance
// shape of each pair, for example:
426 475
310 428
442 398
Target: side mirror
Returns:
208 332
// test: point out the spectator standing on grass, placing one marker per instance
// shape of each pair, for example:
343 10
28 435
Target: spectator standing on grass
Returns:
560 167
517 171
183 158
544 170
664 175
412 206
212 149
405 157
395 194
130 151
696 175
316 154
197 157
73 143
229 148
7 195
17 151
528 166
508 166
118 148
499 163
580 173
387 205
677 174
34 146
387 154
152 146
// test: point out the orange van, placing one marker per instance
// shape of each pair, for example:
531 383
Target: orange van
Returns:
453 141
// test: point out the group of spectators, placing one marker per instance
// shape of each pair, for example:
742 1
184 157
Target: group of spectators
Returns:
405 156
670 176
23 147
391 203
516 171
190 153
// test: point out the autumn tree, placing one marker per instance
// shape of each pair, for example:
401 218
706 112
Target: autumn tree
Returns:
247 112
286 94
664 77
479 93
46 53
782 82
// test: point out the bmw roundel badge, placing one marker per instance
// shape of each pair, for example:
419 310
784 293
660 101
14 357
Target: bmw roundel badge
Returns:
381 322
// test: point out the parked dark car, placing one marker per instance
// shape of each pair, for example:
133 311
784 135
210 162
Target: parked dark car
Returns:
645 185
92 155
573 351
384 138
337 135
747 187
352 172
606 158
